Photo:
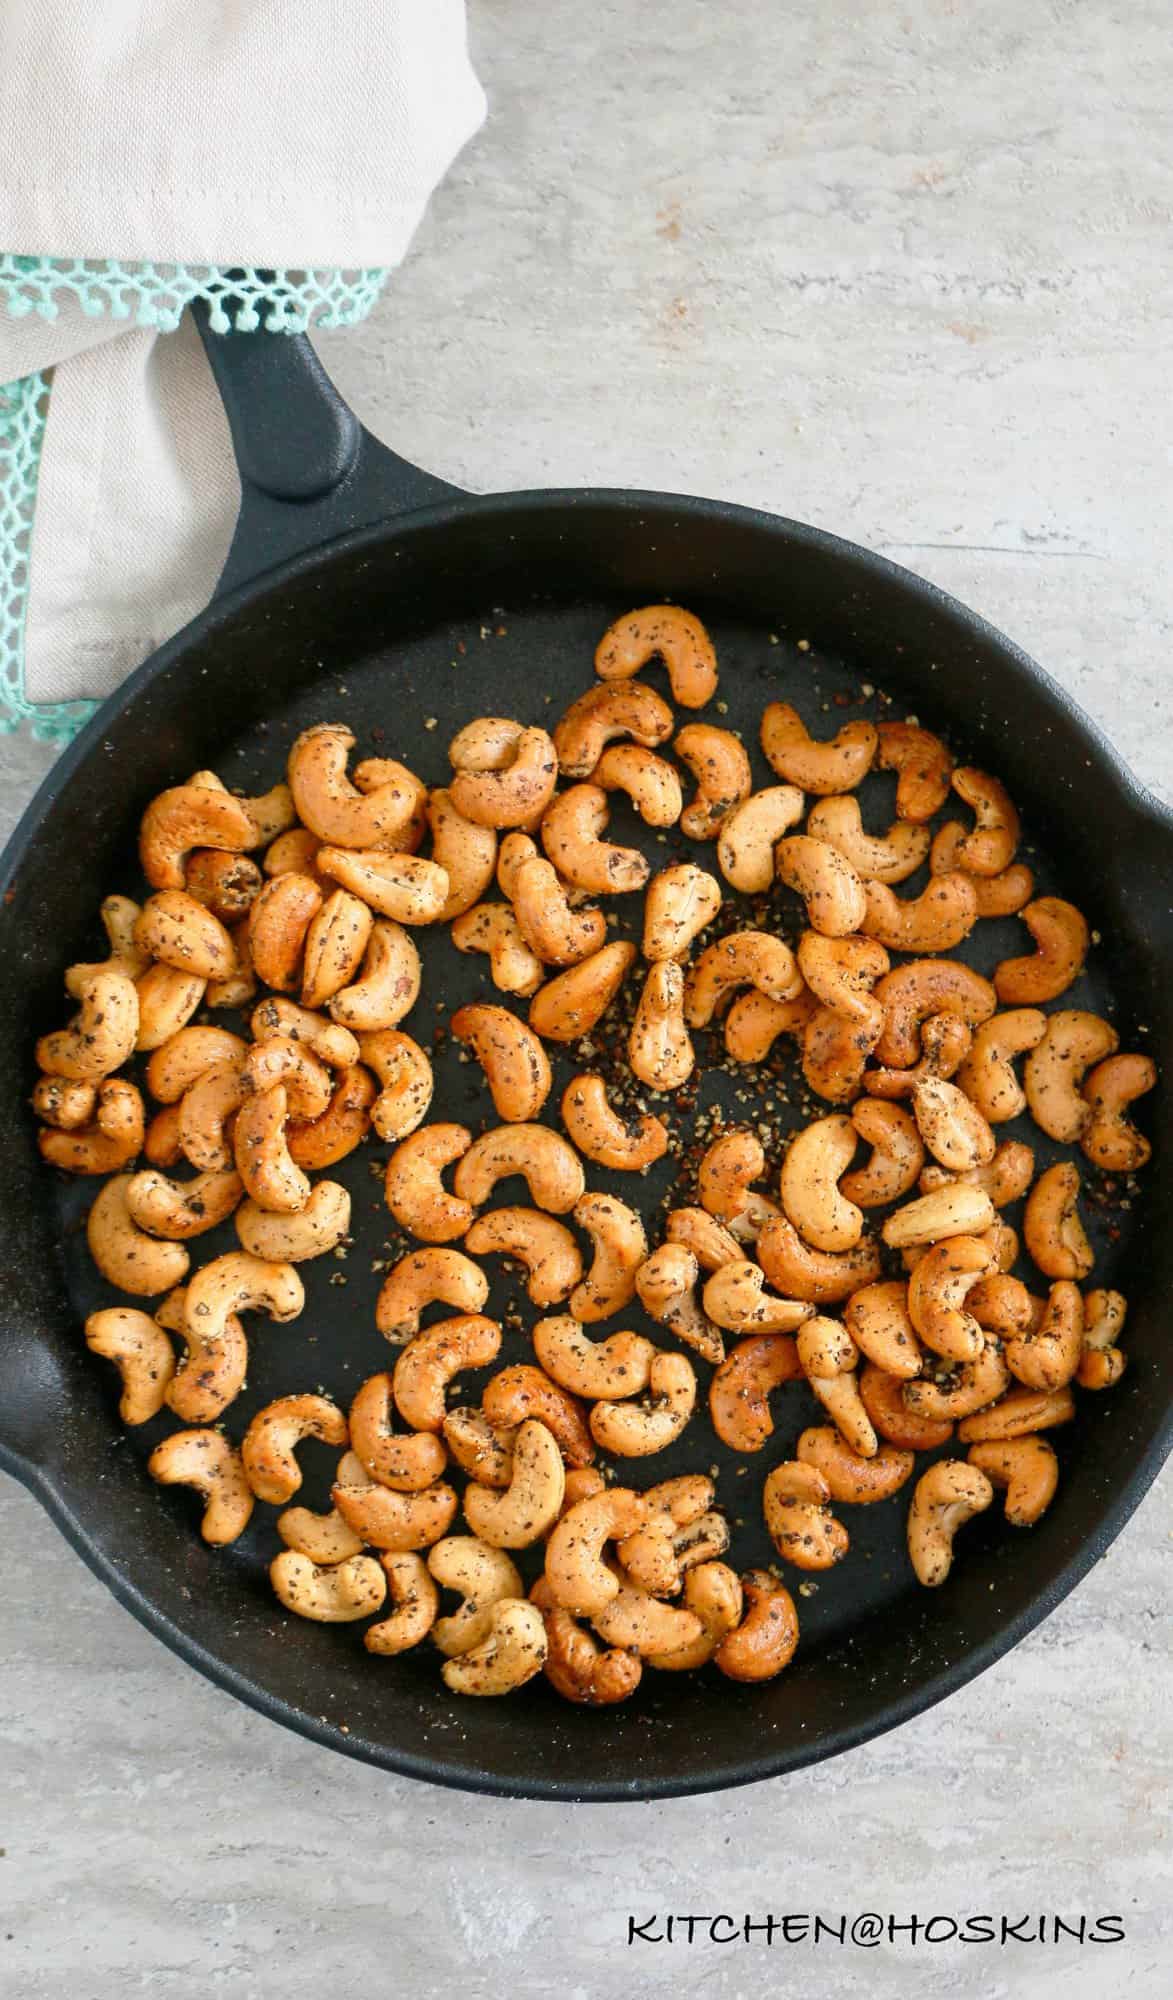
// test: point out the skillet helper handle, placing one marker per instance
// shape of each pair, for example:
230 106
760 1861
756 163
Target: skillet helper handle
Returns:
309 471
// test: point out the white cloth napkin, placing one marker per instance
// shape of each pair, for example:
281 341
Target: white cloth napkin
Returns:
289 134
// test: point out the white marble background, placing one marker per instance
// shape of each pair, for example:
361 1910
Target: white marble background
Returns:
901 269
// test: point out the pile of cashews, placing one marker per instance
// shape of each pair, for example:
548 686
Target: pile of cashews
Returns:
312 891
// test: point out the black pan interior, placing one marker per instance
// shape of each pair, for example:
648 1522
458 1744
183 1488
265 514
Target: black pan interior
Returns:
406 638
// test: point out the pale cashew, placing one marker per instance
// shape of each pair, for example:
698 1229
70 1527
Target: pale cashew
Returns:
826 882
834 1054
822 767
571 830
638 1428
625 1143
923 766
734 1298
1067 1045
467 853
879 1322
604 713
711 1244
575 1568
324 1538
267 1452
959 1209
1102 1361
1051 1225
1001 895
278 925
852 1480
1027 1468
186 817
829 1359
416 1602
187 1056
1048 1356
414 1191
765 1640
740 1390
823 1277
406 1083
896 1159
620 1247
263 1160
640 1623
235 1283
1005 1178
945 1040
545 1248
713 1594
177 931
569 1006
719 764
141 1352
421 1279
226 884
936 1297
515 1064
330 1594
680 902
205 1460
389 983
320 1226
213 1369
119 915
181 1209
936 920
659 1047
888 857
64 1105
952 1128
514 1651
385 1519
115 1137
652 785
796 1504
947 1495
749 834
666 1283
744 958
1019 1414
577 1667
908 1430
809 1185
102 1035
506 785
292 852
341 1127
331 1044
124 1253
524 1391
724 1183
599 1370
335 809
754 1023
403 887
841 972
548 1165
965 1389
430 1361
522 1512
482 1449
990 847
1062 938
661 632
1109 1139
483 1576
553 931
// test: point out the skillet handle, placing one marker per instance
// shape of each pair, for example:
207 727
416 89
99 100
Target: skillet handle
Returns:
309 471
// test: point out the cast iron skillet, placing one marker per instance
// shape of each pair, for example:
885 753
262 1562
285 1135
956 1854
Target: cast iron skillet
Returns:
359 586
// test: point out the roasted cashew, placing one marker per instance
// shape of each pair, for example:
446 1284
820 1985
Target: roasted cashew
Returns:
659 1047
658 1558
936 920
549 1166
666 1282
604 713
213 1369
1062 1052
545 1248
739 1391
571 830
556 933
406 1083
467 853
1048 1356
514 1651
430 1361
414 1191
1001 895
292 852
241 984
724 1183
115 1137
947 1495
205 1460
598 1370
834 1054
936 1297
102 1035
909 1430
825 880
765 1640
188 1055
852 1480
482 1449
809 1184
952 1128
841 972
878 1320
324 1538
626 1144
331 1044
754 1023
713 1594
141 1352
416 1602
990 847
620 1247
661 632
569 1006
958 1209
1002 1305
1109 1139
281 1060
1062 938
945 1041
577 1667
226 884
186 817
829 1359
421 1279
1005 1178
400 886
522 1512
63 1104
923 987
1051 1225
968 1388
638 1428
177 931
329 1594
735 1298
263 1160
823 1277
744 958
278 925
342 1125
119 916
335 809
987 1075
1102 1361
719 764
398 1522
124 1254
267 1452
335 946
710 1243
483 1577
645 1625
320 1226
749 834
578 1576
389 983
1028 1469
236 1283
923 766
652 785
888 857
524 1391
515 1064
503 786
896 1159
815 766
1019 1413
181 1209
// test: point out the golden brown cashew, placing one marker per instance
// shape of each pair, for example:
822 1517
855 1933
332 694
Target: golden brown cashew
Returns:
952 1128
627 1143
1027 1468
936 1297
521 1513
549 1166
1005 1179
399 1522
620 1246
212 1372
834 1054
114 1138
467 853
658 1558
414 1191
483 1577
841 972
659 1047
987 1074
335 809
556 933
958 1209
545 1248
720 766
1067 1045
1048 1356
636 1621
966 1389
1102 1361
516 1067
799 1272
280 1060
936 920
416 1602
809 1184
923 767
947 1495
320 1226
909 1430
295 851
187 1056
421 1279
177 931
406 1083
577 1667
578 1576
765 1641
822 767
389 983
826 882
102 1035
516 849
331 1044
480 1448
1019 1414
185 817
64 1105
604 713
661 632
599 1370
1002 1305
878 1320
744 958
680 902
335 944
666 1282
267 1452
852 1480
493 928
652 785
1051 1225
713 1594
571 835
923 987
205 1460
735 1298
1001 895
888 857
429 1362
141 1352
640 1427
990 847
754 1023
945 1041
124 1253
333 1594
181 1209
896 1159
569 1006
710 1243
740 1390
119 915
324 1538
829 1359
1062 937
749 834
236 1283
524 1391
226 884
263 1160
1109 1139
506 783
400 886
513 1652
724 1183
278 925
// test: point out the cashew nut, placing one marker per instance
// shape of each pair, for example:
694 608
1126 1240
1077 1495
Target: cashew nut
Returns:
879 1322
236 1283
416 1601
896 1159
102 1035
909 1430
212 1371
822 767
180 1209
336 809
389 984
620 1247
799 1521
405 1076
178 931
516 1067
923 987
1109 1139
320 1226
292 852
504 784
990 847
1048 1356
626 1144
744 958
1005 1178
114 1138
421 1279
124 1254
555 933
666 1282
329 1594
430 1361
952 1128
725 1178
599 1370
638 1428
735 1298
604 713
825 880
185 817
652 785
550 1167
386 1519
576 1665
958 1209
923 766
324 1538
545 1248
809 1184
680 902
1061 938
263 1161
749 834
1102 1361
936 1297
946 1496
278 925
400 886
480 1448
823 1277
267 1452
841 972
936 920
188 1055
852 1480
1019 1414
739 1391
713 1594
466 852
280 1018
701 1233
765 1640
226 884
205 1460
342 1125
64 1105
141 1352
414 1191
945 1041
524 1391
1062 1052
719 764
484 1577
578 1576
1051 1225
1027 1468
829 1359
887 857
659 1047
569 1006
521 1513
664 632
119 916
638 1622
965 1389
754 1023
1001 895
514 1651
571 830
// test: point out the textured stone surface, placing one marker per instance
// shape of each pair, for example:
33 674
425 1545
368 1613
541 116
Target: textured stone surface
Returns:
900 270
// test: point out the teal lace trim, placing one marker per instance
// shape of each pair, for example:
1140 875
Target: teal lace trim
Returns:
149 295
